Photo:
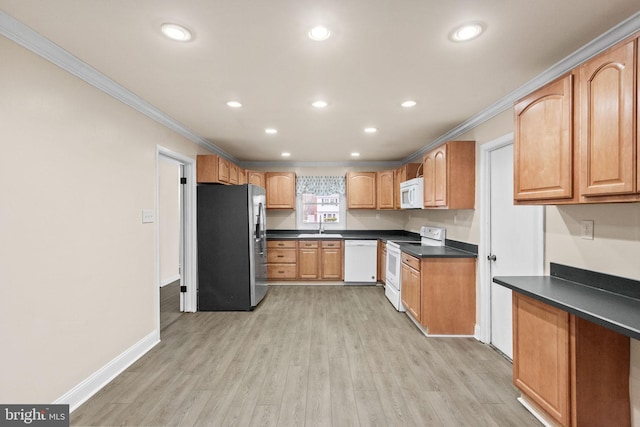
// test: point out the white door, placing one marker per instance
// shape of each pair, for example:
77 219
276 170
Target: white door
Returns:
516 234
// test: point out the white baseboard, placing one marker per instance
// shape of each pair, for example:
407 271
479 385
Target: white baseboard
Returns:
531 407
169 281
90 386
477 333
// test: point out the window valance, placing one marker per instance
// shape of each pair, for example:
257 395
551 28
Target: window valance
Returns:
320 185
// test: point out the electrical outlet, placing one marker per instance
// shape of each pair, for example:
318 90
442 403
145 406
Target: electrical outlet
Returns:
586 229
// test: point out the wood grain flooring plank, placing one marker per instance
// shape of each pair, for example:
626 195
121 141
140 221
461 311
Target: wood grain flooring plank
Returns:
310 355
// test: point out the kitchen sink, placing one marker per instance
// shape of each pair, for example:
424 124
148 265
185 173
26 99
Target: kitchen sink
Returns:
320 236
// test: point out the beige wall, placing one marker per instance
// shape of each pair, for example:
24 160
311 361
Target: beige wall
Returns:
77 266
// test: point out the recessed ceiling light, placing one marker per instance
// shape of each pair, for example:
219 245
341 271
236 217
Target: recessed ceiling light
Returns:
409 104
467 32
320 104
234 104
319 33
271 131
355 154
285 154
176 32
371 130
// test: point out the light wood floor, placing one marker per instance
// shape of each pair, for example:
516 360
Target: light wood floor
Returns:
169 305
310 356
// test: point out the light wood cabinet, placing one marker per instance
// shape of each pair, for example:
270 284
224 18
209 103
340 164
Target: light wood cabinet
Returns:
543 149
361 190
448 295
281 190
233 174
608 159
282 259
411 286
574 371
576 139
255 178
449 176
404 173
332 260
385 198
308 260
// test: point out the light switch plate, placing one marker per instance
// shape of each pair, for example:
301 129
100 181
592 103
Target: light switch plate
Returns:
147 216
586 229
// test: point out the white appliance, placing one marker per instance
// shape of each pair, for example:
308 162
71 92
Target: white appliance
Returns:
360 261
429 236
412 194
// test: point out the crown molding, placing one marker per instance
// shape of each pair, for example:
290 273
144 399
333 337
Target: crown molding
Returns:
289 164
616 34
26 37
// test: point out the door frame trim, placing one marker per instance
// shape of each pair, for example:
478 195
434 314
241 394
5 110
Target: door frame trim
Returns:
189 253
483 333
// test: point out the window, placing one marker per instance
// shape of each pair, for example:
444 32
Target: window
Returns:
321 202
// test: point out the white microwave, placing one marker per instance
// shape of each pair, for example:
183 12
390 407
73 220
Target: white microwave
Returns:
411 194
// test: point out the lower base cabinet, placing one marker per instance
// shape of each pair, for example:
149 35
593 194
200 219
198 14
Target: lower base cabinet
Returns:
575 371
305 260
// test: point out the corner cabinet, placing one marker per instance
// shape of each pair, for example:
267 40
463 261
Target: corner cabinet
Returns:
281 190
361 190
561 370
449 176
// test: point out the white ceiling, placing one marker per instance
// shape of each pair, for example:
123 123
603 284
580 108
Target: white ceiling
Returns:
381 53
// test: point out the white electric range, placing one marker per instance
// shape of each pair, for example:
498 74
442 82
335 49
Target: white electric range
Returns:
429 236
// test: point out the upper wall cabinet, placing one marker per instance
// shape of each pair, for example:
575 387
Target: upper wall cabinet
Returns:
361 190
256 178
608 104
449 176
385 189
281 190
212 169
576 142
543 150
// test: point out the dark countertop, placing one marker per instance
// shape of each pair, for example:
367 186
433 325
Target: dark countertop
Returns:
452 250
595 303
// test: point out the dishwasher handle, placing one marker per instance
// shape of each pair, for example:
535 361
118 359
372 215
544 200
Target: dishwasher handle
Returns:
360 242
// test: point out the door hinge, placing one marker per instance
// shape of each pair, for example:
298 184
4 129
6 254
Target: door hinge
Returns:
183 180
183 289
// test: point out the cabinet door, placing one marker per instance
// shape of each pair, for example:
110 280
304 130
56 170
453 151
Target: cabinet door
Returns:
308 262
440 177
607 131
233 174
332 260
207 168
384 183
543 147
256 178
429 172
281 190
223 170
541 355
361 190
411 291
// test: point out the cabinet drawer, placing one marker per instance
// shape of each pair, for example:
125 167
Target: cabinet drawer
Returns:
331 243
281 271
411 261
281 244
307 244
281 256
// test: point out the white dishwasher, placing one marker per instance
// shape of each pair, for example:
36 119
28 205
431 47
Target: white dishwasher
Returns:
360 261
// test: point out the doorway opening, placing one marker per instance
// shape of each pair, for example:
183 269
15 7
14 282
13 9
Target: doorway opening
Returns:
175 237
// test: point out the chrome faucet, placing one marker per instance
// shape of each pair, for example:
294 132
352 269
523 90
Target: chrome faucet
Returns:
320 229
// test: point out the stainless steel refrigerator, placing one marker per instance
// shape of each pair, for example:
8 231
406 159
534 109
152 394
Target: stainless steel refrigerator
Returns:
232 247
